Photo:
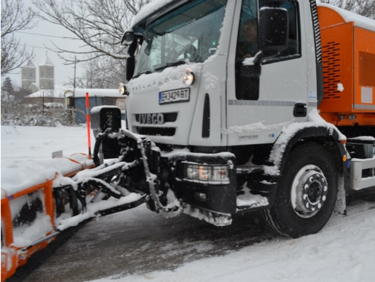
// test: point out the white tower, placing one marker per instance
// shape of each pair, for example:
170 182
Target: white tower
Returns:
46 74
28 75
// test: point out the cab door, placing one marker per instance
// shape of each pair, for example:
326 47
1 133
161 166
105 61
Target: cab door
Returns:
262 99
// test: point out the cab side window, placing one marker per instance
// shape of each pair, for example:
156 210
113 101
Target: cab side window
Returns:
247 85
247 44
294 44
248 77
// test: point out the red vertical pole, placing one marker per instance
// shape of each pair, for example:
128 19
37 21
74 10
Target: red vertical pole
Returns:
6 220
88 122
49 201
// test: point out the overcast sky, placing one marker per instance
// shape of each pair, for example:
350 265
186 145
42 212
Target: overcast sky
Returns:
39 39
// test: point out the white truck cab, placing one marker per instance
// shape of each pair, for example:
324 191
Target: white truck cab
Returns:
223 95
230 95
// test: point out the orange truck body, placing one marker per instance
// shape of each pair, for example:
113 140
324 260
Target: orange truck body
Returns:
348 70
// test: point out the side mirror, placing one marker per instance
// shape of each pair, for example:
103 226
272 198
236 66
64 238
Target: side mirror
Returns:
127 38
273 32
132 48
130 65
130 61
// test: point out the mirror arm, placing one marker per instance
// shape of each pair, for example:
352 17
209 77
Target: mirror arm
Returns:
132 48
260 57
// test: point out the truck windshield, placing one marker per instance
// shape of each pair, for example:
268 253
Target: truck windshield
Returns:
188 34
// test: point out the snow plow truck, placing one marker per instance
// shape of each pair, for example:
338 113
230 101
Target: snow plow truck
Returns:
234 107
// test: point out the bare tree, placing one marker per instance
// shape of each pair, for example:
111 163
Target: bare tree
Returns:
99 24
105 72
362 7
14 17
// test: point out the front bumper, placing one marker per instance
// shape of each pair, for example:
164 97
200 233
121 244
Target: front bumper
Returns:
215 196
162 178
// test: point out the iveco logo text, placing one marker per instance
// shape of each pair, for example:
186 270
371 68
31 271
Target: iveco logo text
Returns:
151 118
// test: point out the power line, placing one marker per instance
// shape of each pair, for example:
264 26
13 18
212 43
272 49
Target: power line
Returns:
39 47
15 44
46 35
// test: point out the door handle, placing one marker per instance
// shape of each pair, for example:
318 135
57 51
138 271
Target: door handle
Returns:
300 110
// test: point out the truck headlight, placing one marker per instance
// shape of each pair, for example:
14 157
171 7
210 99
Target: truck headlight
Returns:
188 77
207 174
122 89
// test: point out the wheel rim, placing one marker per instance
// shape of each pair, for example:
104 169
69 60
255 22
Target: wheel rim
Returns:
309 191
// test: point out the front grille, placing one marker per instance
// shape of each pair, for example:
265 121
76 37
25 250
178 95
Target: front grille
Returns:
156 131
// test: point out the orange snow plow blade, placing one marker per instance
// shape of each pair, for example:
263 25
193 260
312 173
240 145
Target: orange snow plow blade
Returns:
36 202
43 199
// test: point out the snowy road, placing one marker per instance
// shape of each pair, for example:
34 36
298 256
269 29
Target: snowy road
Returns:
138 241
138 245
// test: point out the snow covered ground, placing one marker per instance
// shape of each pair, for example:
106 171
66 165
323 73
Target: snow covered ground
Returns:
23 142
343 251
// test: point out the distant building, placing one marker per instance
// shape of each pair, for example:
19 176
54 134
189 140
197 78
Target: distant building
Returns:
45 96
97 97
46 74
34 87
28 74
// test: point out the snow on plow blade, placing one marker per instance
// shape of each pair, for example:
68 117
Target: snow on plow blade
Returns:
39 200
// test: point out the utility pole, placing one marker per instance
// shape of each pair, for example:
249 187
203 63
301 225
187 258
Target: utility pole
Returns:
74 89
42 101
74 81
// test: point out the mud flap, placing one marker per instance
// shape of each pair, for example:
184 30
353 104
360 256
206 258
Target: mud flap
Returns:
215 218
340 207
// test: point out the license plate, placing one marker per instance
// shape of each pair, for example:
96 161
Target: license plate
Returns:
174 96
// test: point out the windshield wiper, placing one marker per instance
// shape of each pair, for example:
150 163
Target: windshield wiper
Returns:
174 64
144 72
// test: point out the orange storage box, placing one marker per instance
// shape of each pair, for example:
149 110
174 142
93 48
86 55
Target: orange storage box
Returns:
348 47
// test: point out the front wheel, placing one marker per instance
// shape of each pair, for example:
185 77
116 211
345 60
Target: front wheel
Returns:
306 194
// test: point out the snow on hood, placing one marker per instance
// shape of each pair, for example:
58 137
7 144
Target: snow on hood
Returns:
169 78
359 21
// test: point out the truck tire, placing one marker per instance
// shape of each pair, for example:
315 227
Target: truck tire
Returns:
306 194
